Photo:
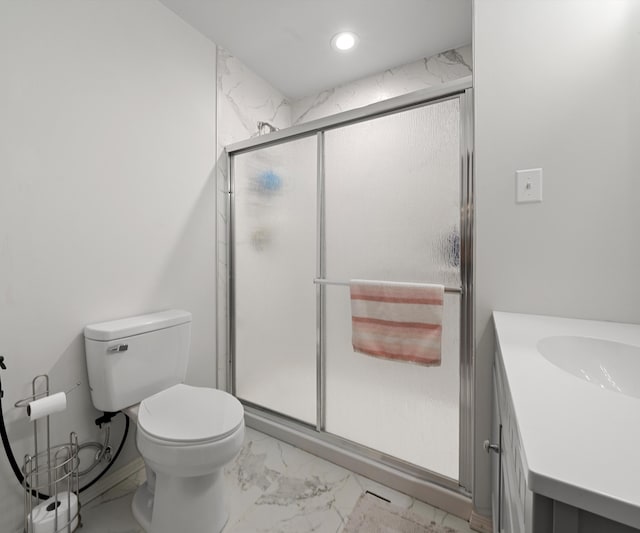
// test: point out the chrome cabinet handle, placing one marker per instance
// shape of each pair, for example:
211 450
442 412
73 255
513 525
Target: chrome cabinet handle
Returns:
488 447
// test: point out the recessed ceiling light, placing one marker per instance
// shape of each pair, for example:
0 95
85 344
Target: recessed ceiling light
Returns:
344 41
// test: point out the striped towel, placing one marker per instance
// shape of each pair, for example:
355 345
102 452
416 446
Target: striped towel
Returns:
400 321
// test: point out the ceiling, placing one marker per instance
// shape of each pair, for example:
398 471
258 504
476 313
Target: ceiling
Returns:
287 42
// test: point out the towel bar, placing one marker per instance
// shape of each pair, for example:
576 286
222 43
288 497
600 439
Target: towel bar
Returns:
320 281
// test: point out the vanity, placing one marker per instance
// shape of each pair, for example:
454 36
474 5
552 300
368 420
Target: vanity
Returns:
565 441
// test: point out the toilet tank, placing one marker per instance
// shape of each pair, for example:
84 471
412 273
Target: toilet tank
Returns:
132 358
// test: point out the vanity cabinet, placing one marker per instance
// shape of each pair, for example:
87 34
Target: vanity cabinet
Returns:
516 509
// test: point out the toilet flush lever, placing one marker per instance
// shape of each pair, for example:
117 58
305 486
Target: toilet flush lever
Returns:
118 348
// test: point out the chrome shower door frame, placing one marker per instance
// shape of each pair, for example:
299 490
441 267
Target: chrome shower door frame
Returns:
314 438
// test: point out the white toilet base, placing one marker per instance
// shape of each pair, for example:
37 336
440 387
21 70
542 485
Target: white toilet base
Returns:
194 504
142 505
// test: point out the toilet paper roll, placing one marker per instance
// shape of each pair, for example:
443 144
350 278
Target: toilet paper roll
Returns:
47 406
42 518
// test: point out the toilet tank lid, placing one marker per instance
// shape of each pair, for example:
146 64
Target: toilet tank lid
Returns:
136 325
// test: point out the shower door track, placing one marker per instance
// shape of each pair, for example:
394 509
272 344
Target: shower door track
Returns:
449 494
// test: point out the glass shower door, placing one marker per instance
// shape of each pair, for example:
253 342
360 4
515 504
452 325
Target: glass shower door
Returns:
274 256
392 211
380 195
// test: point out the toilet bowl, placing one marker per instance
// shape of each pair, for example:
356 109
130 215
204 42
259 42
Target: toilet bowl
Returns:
185 434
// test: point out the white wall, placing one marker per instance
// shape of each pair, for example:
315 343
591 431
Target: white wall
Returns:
107 193
556 86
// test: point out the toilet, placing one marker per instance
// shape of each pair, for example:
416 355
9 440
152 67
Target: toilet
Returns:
186 435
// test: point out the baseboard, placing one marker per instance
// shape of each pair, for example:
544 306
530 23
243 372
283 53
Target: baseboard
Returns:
481 523
111 480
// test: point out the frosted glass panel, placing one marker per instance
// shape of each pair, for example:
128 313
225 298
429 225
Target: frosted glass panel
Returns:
275 262
393 213
393 197
405 410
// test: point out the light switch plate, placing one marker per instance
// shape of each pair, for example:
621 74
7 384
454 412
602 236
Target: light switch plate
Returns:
529 185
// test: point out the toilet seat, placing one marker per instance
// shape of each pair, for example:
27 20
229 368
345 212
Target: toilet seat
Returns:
186 415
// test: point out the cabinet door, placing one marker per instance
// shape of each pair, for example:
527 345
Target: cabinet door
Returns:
497 479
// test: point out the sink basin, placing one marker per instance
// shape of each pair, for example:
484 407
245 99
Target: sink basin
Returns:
607 364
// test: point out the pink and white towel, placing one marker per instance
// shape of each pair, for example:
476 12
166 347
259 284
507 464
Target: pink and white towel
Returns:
400 321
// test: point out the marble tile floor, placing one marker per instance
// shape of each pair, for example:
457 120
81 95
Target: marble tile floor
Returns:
272 487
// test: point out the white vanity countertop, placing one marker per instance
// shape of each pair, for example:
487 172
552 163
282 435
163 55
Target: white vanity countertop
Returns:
581 443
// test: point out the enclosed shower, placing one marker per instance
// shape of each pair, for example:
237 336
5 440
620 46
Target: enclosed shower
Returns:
379 193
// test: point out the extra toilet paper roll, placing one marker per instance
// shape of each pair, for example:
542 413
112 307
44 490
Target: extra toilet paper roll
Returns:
43 517
47 405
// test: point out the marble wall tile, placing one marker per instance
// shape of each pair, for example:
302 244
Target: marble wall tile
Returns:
244 99
427 72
